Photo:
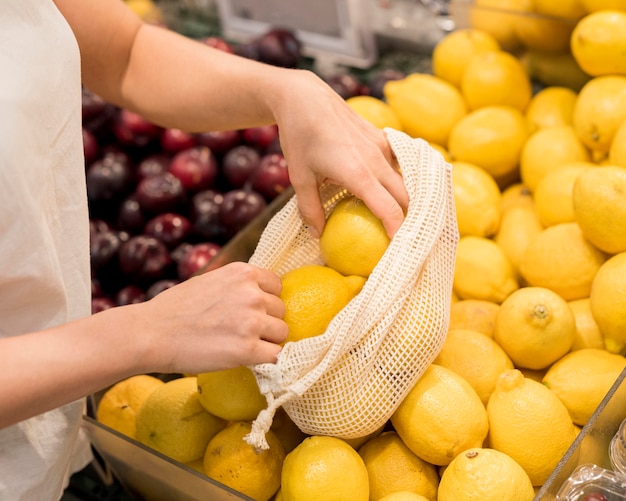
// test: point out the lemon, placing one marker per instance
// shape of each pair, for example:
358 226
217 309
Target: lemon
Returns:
497 17
514 195
286 430
231 394
454 50
354 239
600 207
324 468
554 193
546 150
173 422
570 10
485 474
495 78
474 314
482 270
118 406
475 357
532 29
608 299
229 459
519 225
582 378
596 5
600 109
313 295
588 333
477 200
491 138
427 106
403 496
617 150
444 152
535 327
554 69
550 107
441 416
375 111
393 467
560 258
599 43
529 423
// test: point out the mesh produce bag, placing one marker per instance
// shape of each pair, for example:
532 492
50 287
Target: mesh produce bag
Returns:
348 381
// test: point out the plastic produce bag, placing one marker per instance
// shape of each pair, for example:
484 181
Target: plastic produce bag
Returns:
348 381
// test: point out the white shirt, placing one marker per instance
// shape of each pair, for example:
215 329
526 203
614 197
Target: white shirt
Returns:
44 231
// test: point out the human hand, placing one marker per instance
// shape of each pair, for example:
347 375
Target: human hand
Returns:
324 140
227 317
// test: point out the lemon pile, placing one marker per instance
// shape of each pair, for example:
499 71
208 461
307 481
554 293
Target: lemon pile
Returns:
537 332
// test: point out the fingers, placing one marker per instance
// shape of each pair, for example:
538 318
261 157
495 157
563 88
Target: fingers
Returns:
310 204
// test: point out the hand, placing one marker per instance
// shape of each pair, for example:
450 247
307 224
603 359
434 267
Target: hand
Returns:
224 318
324 140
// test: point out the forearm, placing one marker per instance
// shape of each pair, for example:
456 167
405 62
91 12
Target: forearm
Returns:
46 369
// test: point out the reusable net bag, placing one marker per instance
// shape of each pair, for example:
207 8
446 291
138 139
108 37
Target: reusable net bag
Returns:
348 381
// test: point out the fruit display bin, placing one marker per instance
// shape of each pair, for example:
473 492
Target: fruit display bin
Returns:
148 475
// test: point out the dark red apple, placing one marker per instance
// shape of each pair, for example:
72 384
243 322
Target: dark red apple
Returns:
144 258
175 140
160 193
260 137
130 217
249 50
109 178
152 164
129 294
204 214
90 146
271 176
196 259
239 207
159 286
218 43
196 168
239 164
132 129
103 249
280 47
170 228
346 85
219 141
99 304
377 83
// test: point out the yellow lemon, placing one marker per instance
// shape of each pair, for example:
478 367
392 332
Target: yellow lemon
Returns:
486 474
550 107
173 422
545 33
514 195
529 423
324 468
375 111
118 406
582 378
286 430
596 5
427 106
617 151
600 207
477 200
491 137
600 109
393 467
560 258
475 357
444 152
441 416
474 314
353 240
554 193
497 17
403 496
229 459
588 333
454 50
570 10
599 43
608 300
519 225
231 394
546 150
554 69
483 271
535 327
495 78
313 295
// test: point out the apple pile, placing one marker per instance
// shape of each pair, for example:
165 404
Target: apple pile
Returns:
163 202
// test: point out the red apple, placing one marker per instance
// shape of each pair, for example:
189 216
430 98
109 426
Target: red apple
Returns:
219 141
196 258
196 168
132 129
239 164
160 193
170 228
271 176
175 140
260 137
279 47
